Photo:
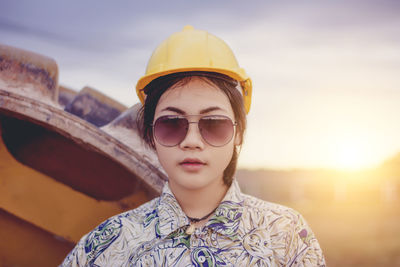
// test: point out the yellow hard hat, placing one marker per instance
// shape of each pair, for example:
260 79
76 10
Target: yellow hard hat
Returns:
194 50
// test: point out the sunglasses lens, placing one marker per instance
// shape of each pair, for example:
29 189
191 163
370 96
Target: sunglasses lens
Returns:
170 131
216 130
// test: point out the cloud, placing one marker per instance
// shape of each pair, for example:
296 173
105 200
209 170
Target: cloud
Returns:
9 26
305 57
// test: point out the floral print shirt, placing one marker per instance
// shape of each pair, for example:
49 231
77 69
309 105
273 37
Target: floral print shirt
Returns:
243 231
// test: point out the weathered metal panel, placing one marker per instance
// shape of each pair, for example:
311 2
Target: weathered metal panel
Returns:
60 174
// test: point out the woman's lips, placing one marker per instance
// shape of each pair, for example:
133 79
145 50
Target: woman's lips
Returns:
192 165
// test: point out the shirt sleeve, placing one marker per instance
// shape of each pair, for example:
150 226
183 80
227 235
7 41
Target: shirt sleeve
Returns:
304 249
93 247
77 256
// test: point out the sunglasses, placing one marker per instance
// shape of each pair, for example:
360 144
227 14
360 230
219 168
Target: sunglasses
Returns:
171 130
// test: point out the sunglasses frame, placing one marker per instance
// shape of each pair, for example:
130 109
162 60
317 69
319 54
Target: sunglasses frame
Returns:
234 124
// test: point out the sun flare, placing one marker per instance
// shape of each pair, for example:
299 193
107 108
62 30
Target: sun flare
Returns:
352 154
350 158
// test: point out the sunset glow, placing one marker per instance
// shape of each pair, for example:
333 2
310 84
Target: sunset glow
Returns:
325 92
352 155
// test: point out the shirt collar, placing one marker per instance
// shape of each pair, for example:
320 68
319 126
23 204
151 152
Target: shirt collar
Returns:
224 221
171 216
227 216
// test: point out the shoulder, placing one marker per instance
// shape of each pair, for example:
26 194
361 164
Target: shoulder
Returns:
269 209
113 232
273 217
129 219
283 228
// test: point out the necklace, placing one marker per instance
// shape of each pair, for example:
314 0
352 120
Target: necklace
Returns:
191 228
195 220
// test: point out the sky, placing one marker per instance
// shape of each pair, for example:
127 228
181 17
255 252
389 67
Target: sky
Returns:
326 83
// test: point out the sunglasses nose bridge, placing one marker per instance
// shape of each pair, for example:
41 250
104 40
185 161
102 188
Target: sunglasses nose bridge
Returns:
193 122
198 127
193 137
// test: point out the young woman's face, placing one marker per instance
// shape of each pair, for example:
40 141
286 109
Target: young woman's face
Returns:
193 163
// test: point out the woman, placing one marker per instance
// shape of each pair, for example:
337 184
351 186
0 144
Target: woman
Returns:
194 115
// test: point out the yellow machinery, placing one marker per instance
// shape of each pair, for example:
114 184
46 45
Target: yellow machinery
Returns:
68 161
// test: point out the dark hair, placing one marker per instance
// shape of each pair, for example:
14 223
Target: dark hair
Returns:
156 88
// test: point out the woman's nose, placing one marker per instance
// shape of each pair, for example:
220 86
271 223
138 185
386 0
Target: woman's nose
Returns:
193 139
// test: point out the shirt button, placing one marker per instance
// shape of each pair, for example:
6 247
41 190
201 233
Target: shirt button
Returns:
202 259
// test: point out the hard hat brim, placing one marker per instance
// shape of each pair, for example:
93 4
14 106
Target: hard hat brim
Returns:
244 80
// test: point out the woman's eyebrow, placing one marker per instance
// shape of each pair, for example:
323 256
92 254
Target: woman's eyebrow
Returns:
207 110
173 109
203 111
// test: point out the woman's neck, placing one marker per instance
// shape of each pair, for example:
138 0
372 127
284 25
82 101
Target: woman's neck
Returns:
198 202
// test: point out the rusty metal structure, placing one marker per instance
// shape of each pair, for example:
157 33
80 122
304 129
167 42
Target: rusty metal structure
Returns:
68 161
